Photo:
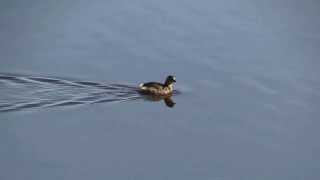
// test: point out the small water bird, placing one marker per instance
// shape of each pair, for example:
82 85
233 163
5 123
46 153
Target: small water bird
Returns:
158 89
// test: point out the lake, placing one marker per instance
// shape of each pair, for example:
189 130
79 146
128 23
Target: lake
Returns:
248 88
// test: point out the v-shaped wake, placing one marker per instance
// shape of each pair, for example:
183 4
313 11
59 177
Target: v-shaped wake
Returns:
19 92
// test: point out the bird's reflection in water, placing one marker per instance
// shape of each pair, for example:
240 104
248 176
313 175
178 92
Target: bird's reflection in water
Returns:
166 99
22 92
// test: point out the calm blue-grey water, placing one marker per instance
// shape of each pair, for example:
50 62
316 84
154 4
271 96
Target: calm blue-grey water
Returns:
247 72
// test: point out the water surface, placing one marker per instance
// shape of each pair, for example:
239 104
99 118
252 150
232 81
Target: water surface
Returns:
248 73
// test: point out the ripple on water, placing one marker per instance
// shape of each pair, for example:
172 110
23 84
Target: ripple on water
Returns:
258 85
